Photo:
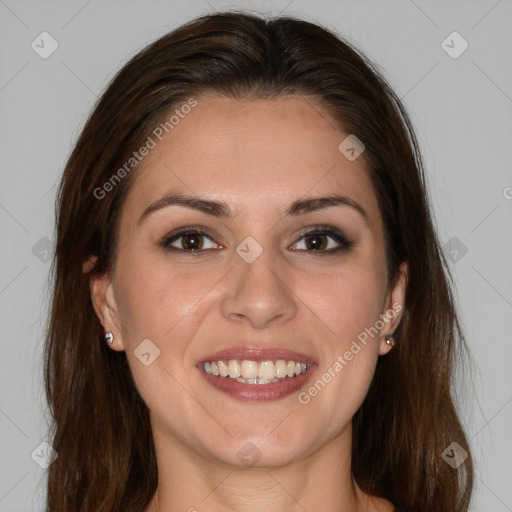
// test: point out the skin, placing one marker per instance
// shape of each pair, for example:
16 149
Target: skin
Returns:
258 156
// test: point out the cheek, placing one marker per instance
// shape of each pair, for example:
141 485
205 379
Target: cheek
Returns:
338 391
163 304
156 299
347 301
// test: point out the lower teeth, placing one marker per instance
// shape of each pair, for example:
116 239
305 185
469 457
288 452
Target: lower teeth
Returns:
256 381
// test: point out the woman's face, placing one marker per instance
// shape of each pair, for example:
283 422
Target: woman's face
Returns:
278 268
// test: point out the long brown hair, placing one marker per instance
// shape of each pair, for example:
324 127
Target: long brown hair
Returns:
101 431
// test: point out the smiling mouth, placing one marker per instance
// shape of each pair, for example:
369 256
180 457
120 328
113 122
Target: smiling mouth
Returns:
257 379
247 371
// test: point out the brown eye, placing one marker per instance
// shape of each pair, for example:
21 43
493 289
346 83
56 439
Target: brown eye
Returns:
316 241
192 242
189 242
324 240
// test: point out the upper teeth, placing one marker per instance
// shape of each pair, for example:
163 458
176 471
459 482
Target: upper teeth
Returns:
247 369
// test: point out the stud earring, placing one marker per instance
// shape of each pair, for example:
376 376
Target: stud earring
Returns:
109 338
390 340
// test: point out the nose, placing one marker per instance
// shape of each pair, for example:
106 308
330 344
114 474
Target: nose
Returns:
259 293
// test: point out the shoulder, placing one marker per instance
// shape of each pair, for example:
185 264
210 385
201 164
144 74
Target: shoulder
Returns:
374 503
381 505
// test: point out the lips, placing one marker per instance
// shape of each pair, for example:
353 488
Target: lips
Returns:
257 354
257 389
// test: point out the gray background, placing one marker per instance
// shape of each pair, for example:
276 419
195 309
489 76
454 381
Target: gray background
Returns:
461 108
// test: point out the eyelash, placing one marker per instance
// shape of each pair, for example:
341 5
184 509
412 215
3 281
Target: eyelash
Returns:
345 243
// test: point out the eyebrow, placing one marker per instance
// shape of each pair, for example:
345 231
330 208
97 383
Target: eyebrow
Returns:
222 210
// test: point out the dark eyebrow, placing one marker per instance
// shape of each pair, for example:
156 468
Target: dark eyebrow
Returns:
215 208
222 210
302 206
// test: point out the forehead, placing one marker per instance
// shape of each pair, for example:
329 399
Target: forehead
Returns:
251 154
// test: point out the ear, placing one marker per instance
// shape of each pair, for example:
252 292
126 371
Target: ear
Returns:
104 302
393 307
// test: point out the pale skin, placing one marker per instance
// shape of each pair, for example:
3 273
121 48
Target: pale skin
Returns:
257 157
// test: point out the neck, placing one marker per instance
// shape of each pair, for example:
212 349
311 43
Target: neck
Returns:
321 481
